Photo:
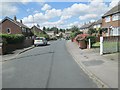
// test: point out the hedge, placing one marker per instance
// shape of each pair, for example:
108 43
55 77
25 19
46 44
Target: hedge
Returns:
12 38
92 39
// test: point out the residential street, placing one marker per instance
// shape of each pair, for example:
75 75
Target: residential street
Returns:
45 67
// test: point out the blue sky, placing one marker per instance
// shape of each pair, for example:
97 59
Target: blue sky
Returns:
60 14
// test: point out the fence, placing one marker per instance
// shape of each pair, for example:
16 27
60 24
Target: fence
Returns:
109 44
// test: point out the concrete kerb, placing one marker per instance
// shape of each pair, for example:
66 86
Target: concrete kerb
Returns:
98 81
18 54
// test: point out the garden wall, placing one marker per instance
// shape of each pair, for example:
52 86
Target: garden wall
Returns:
11 47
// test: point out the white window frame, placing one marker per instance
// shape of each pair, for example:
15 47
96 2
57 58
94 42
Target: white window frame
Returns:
107 19
9 30
116 17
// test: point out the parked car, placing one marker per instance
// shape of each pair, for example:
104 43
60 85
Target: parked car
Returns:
40 41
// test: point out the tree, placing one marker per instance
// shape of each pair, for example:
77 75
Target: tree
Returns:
44 28
48 29
55 29
91 31
74 29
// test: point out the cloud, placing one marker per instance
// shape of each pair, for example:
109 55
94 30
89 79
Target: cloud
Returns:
53 13
40 17
8 9
75 9
83 12
46 7
88 16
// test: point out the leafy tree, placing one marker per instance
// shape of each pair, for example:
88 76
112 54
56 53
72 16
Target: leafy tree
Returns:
74 29
55 29
44 28
91 31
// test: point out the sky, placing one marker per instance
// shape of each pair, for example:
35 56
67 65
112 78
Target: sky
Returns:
59 13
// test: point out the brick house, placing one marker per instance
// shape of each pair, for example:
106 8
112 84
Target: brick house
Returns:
98 24
36 29
50 33
12 26
110 22
86 27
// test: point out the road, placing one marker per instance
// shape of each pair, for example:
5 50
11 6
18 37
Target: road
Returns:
45 67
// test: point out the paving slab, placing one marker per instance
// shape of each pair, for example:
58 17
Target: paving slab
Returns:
103 68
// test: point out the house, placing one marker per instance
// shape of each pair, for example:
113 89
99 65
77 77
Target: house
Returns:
12 26
50 33
98 24
86 27
67 33
110 22
36 30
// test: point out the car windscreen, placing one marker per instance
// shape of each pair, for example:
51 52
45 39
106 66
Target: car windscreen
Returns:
39 39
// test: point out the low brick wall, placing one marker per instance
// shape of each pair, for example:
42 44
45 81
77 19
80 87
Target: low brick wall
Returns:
11 47
28 42
0 48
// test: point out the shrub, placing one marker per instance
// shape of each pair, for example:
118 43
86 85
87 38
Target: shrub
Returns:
92 39
13 38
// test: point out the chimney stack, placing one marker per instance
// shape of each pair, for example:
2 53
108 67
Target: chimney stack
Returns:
15 18
20 21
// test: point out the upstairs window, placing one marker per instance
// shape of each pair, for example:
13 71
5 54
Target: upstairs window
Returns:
8 30
116 17
107 19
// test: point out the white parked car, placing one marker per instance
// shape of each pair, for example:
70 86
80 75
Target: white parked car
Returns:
40 41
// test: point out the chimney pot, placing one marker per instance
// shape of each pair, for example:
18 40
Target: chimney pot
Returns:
15 18
20 21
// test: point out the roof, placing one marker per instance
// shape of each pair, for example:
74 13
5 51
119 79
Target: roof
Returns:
98 22
16 22
36 28
114 10
86 25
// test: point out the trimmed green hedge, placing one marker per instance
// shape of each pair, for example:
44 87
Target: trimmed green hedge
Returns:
13 38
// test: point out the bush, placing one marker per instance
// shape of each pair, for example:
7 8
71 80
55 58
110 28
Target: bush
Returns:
13 38
92 39
74 34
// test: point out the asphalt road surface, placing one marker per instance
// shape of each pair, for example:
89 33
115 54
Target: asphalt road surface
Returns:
45 67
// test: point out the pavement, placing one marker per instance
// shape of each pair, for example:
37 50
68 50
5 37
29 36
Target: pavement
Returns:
101 68
14 54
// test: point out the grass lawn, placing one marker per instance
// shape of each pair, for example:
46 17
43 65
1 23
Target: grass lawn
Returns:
96 45
110 44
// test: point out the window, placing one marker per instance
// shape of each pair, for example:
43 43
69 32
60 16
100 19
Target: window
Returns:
115 31
23 29
116 17
8 30
107 19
